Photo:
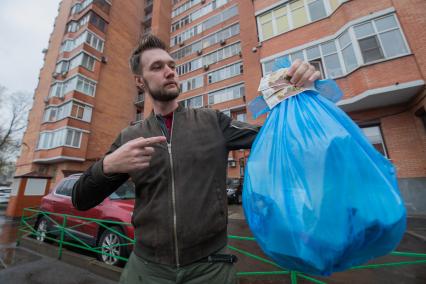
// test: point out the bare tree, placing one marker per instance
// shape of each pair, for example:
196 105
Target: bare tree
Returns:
13 120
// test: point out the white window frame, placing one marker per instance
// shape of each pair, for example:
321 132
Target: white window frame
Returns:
197 29
291 26
58 138
64 110
218 91
71 85
354 42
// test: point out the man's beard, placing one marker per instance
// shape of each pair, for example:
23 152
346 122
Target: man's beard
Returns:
163 95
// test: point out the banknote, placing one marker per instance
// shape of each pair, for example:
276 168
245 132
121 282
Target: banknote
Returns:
276 87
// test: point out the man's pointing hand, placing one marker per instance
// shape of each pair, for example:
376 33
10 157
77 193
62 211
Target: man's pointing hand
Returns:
135 155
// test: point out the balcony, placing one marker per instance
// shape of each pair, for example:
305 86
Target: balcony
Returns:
140 99
148 6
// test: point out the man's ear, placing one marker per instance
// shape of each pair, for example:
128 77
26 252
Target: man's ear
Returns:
139 83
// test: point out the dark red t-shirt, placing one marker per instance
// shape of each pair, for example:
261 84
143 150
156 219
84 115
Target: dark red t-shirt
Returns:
168 119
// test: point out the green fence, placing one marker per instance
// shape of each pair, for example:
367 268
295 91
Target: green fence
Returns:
68 237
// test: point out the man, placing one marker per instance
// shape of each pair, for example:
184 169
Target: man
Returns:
177 158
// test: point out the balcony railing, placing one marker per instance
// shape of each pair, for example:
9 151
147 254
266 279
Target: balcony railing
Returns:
140 99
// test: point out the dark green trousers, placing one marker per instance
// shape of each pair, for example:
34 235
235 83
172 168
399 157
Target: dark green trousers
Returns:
139 271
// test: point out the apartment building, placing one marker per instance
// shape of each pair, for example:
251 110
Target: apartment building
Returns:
375 50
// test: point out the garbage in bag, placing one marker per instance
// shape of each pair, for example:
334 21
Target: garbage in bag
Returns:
317 195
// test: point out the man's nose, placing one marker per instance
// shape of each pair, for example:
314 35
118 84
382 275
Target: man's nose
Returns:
169 72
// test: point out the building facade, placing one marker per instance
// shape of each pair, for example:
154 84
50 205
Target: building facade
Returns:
375 50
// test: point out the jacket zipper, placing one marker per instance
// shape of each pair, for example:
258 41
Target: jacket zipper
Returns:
169 148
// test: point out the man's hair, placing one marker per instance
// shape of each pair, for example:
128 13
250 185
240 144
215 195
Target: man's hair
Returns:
149 41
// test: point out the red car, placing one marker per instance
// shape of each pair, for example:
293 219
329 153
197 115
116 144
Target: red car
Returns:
117 207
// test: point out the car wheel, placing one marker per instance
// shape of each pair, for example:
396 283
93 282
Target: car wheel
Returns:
42 230
111 245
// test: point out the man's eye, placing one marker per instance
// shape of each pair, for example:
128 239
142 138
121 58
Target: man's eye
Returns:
156 67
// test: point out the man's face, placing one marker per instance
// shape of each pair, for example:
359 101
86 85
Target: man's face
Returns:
159 75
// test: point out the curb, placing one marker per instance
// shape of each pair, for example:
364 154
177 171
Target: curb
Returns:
416 235
72 258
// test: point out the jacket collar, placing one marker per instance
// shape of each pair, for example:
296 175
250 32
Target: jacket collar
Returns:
179 109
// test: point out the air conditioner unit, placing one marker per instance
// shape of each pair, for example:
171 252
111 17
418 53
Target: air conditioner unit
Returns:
240 54
63 74
232 163
206 67
104 59
181 44
222 41
46 100
55 75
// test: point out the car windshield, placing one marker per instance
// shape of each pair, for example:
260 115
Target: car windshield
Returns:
125 191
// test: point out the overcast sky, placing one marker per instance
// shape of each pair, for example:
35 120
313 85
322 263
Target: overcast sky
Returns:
25 27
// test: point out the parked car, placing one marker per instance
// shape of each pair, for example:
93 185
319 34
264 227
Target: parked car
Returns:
234 190
5 194
117 207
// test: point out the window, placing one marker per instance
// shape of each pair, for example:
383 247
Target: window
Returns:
227 112
66 187
363 43
87 61
294 14
331 59
77 110
198 14
68 109
69 137
374 135
76 83
210 58
91 17
210 22
348 52
221 54
62 66
226 94
316 9
186 6
75 9
98 22
380 38
194 102
87 37
241 117
192 83
83 59
225 73
94 41
299 14
189 66
85 86
207 41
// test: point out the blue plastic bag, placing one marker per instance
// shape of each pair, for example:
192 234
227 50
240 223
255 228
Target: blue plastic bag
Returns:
317 196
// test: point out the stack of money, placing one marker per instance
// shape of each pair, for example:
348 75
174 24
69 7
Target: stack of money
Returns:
276 87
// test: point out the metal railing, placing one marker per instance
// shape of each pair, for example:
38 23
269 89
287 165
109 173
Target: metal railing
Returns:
66 233
31 216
